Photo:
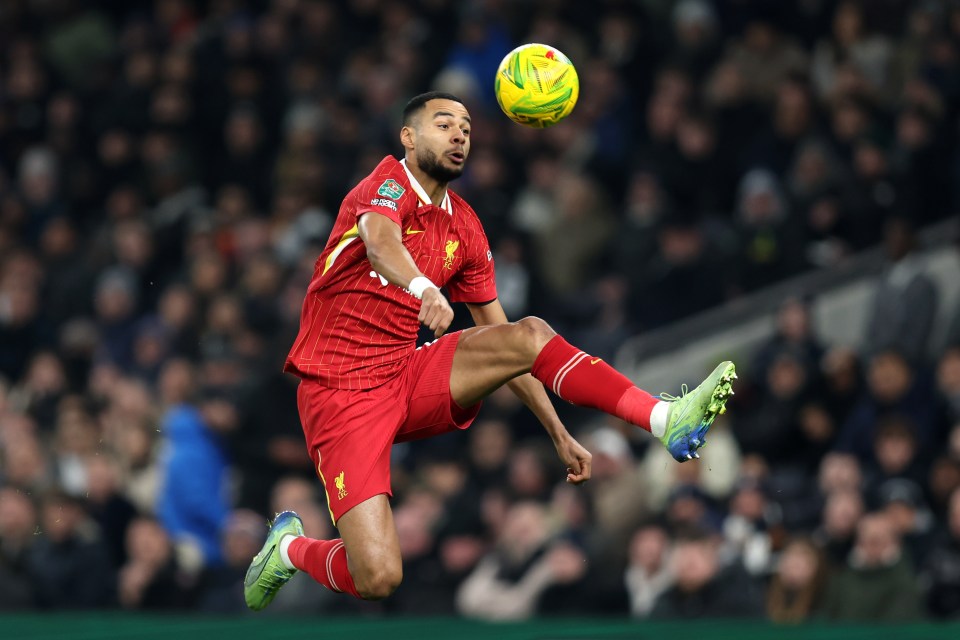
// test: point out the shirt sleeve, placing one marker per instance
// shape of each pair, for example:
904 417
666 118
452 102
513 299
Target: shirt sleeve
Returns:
381 195
476 283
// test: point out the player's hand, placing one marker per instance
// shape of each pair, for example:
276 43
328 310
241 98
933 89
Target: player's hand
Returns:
577 459
435 312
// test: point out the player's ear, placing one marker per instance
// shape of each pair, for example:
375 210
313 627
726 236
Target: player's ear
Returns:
407 136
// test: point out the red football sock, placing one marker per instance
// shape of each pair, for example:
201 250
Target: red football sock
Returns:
590 382
325 561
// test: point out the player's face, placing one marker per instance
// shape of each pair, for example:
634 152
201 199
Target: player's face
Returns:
443 139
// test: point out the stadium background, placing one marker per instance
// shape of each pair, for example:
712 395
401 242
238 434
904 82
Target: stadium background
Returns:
169 171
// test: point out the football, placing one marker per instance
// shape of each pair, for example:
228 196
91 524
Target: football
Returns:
536 85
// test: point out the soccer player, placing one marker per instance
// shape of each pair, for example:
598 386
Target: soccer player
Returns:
400 236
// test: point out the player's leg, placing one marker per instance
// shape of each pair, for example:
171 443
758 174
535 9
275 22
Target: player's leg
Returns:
489 356
364 562
349 435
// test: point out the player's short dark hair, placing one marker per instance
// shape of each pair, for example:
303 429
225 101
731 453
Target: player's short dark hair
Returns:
418 102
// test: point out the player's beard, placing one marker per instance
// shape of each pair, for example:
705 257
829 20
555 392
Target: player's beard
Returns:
430 164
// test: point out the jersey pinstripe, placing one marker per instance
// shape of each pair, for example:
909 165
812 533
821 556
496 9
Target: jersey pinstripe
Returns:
355 330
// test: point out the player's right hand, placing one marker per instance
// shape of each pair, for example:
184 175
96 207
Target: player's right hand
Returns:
435 312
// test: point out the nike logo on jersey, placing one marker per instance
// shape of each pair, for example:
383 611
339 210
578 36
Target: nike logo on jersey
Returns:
411 232
595 360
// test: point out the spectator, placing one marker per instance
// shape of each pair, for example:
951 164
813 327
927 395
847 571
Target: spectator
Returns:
751 528
773 429
794 331
111 510
835 536
904 302
903 503
850 44
507 584
942 569
152 577
765 226
796 590
702 588
69 561
948 386
878 583
18 523
192 501
649 572
894 388
895 455
765 56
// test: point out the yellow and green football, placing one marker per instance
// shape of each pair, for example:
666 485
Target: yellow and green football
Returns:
536 85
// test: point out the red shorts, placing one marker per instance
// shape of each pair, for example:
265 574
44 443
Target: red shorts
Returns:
349 432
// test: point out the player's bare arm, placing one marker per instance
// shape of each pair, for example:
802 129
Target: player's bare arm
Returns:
390 259
534 396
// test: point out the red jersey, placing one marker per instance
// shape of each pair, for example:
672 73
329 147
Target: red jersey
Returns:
356 330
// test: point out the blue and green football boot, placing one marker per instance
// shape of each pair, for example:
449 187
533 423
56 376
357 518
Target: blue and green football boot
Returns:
267 572
691 415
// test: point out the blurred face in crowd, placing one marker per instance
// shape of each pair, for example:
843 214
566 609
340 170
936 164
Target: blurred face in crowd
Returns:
953 514
695 563
526 474
18 517
786 377
792 115
902 515
438 139
839 472
877 542
749 502
894 449
948 374
148 542
525 530
103 477
889 377
798 565
177 381
840 369
847 24
414 521
793 320
489 444
242 537
648 548
60 518
841 513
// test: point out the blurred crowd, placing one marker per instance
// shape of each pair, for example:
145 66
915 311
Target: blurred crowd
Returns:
170 170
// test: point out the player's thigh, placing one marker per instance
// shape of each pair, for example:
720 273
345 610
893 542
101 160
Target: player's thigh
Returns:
370 538
489 356
431 410
349 435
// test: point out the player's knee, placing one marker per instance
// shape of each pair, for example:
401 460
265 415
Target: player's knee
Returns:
380 583
535 331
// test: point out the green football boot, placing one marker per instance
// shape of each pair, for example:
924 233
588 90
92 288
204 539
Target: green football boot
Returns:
267 573
691 415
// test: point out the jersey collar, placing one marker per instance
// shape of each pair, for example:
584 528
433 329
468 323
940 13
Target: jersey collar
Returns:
422 193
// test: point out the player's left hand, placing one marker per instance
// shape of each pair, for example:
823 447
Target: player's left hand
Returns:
577 459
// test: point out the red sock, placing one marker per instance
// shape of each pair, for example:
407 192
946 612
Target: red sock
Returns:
586 381
325 561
